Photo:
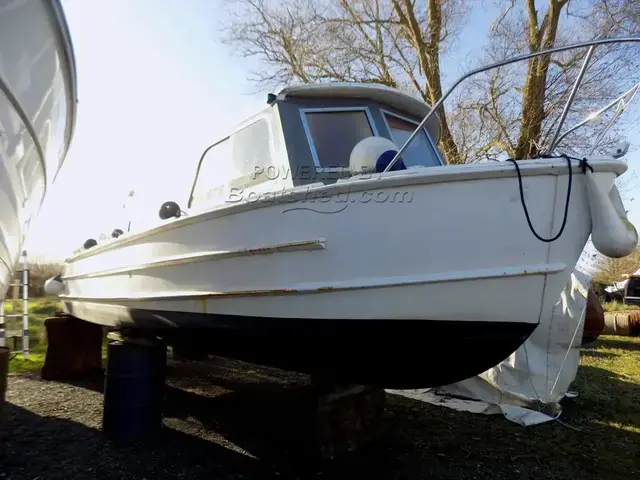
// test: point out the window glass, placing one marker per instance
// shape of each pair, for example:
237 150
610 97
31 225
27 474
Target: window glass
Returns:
251 148
335 133
633 287
420 151
240 155
216 170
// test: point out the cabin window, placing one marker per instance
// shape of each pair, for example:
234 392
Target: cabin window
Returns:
332 133
232 163
420 151
216 170
633 287
251 148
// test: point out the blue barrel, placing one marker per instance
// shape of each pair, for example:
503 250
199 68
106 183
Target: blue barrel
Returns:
4 372
134 389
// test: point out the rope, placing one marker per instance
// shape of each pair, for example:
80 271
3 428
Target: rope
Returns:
583 164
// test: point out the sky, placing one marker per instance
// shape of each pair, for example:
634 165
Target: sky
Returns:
156 86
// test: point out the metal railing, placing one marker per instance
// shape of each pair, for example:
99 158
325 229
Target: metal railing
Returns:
557 137
22 333
621 102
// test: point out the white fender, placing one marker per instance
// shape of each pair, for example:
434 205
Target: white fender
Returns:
366 152
612 234
53 286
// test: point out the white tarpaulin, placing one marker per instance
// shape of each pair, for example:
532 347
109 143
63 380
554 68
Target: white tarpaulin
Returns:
619 286
526 387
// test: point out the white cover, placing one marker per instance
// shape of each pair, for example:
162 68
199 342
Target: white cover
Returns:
616 287
619 286
542 369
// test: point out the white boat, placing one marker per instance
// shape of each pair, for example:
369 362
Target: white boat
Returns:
286 254
37 115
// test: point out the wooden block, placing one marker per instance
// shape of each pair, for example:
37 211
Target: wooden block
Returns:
74 348
594 319
335 421
347 421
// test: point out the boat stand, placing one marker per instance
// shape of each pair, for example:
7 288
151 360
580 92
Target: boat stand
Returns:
74 348
325 420
134 387
313 423
347 418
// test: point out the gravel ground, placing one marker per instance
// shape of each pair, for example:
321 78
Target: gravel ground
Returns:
223 419
228 420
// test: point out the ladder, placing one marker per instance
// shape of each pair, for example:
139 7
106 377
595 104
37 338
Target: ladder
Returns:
17 318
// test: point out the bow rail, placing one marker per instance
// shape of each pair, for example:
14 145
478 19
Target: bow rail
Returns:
593 44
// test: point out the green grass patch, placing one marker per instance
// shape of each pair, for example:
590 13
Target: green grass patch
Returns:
609 380
39 310
34 363
598 437
618 307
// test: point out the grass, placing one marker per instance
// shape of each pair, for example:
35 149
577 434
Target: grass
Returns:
616 306
609 376
39 310
598 437
33 364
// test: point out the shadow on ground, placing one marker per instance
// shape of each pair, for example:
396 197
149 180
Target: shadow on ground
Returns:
611 343
49 448
220 422
425 441
596 354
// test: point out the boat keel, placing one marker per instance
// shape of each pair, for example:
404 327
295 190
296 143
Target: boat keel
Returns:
398 354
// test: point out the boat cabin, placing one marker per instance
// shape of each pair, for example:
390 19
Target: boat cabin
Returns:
632 290
306 135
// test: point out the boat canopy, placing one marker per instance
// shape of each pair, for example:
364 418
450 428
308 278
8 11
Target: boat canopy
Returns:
368 91
307 134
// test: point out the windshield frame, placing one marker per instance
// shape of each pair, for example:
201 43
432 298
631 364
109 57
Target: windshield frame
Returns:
384 112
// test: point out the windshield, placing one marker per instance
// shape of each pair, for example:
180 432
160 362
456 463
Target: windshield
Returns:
332 134
420 152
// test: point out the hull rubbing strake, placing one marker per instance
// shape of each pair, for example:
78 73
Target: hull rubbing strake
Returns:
174 260
358 284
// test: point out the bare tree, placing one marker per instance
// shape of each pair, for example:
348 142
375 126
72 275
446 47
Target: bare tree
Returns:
542 35
519 118
399 43
39 272
610 270
395 43
617 17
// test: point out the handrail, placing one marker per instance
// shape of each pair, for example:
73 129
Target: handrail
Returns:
572 95
620 108
438 104
594 115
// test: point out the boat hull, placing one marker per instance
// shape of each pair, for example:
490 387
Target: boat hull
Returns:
37 107
375 281
387 353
